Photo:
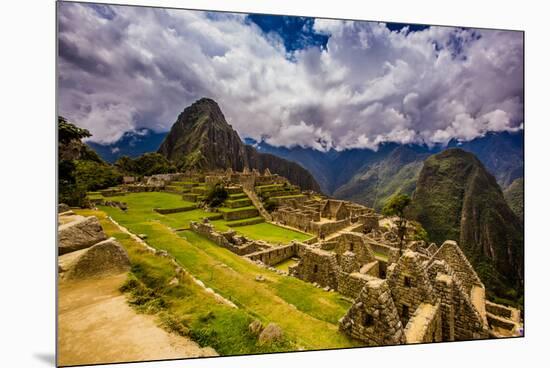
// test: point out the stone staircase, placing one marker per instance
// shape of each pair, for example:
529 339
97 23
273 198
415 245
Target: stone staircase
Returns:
257 203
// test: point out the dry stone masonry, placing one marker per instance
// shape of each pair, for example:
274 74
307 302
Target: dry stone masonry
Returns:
421 293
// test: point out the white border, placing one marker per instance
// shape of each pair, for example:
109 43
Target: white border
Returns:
28 179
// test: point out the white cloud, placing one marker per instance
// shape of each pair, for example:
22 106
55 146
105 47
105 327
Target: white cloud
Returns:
144 66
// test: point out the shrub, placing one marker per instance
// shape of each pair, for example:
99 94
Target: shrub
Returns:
216 196
145 165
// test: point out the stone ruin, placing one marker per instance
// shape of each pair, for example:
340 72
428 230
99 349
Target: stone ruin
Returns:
84 249
323 217
421 293
230 240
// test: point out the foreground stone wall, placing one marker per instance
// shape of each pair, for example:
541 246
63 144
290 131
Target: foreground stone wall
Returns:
316 266
425 325
453 256
373 317
409 284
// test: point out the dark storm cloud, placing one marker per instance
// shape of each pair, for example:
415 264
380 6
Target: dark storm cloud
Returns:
122 69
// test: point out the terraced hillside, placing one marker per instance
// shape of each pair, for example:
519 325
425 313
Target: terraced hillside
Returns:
308 315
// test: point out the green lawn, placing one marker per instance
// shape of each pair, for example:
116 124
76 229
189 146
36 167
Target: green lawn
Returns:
265 231
284 265
307 315
207 321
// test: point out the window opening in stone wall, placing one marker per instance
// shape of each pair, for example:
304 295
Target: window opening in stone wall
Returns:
368 320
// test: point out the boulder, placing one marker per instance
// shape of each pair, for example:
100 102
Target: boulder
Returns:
104 258
255 327
79 234
62 207
271 334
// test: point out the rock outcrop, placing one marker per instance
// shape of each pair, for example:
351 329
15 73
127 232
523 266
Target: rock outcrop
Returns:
85 251
79 234
202 139
101 259
456 198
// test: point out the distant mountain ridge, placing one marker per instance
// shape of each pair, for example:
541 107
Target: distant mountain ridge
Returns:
131 144
362 175
347 174
202 139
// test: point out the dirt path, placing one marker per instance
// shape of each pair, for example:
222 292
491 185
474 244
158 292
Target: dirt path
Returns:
96 325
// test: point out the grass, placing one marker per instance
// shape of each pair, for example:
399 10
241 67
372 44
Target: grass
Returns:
264 231
185 309
226 209
284 265
306 314
288 196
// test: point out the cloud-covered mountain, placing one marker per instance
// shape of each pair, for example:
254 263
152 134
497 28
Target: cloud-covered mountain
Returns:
370 177
202 139
307 82
131 144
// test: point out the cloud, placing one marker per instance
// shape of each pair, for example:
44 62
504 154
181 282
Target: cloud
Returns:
123 69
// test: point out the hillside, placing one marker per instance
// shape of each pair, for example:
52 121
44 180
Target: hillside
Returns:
375 183
202 139
514 197
457 199
338 171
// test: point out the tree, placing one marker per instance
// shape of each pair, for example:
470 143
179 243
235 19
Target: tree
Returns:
68 132
145 165
396 206
216 196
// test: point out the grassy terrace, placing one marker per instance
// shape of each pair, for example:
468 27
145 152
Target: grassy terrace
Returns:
264 231
227 209
308 315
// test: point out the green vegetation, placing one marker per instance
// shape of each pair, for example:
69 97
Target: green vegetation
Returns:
225 209
396 206
216 196
514 197
80 168
457 199
306 314
284 265
184 308
145 165
264 231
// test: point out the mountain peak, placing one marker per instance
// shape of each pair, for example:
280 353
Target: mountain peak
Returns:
456 198
202 139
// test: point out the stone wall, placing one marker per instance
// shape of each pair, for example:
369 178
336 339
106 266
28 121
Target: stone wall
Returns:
230 240
353 242
327 228
409 284
317 266
453 256
240 215
165 211
351 284
275 255
425 325
373 317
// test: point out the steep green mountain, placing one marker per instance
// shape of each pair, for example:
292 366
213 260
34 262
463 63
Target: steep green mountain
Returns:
501 154
378 181
457 198
202 139
514 197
